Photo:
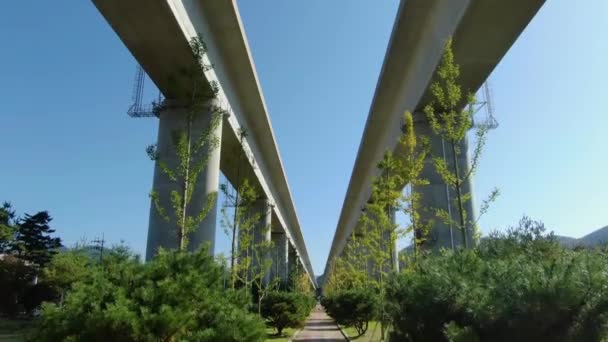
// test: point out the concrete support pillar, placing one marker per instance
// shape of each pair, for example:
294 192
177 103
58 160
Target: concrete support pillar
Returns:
160 232
280 250
262 237
437 195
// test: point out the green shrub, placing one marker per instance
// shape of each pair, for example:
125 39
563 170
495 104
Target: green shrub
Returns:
176 297
285 310
354 308
518 286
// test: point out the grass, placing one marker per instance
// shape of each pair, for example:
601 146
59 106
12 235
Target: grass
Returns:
371 335
271 334
14 330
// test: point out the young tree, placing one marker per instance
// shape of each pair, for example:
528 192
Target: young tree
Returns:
250 256
450 115
33 241
192 150
336 277
302 285
234 200
260 270
415 151
350 270
379 227
239 224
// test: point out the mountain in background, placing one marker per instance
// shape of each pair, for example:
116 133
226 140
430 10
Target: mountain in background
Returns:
595 238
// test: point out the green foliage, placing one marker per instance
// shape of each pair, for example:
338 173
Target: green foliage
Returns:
28 246
301 284
451 122
65 269
33 242
176 297
415 153
286 309
250 257
370 256
348 271
238 223
516 286
354 308
19 293
192 151
7 226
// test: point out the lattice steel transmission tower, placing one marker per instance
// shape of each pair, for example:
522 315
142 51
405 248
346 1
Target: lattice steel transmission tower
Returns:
487 118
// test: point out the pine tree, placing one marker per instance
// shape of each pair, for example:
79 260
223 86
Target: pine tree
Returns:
7 226
33 242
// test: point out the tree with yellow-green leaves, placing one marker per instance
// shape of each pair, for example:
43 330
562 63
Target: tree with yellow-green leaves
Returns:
349 271
193 149
236 219
415 151
378 227
450 115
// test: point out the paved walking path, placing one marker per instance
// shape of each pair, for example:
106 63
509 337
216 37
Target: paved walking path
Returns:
320 327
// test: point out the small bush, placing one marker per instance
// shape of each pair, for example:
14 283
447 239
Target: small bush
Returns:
354 308
285 310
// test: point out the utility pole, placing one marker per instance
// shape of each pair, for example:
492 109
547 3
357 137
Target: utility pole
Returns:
99 244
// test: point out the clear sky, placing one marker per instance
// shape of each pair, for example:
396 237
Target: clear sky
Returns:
69 147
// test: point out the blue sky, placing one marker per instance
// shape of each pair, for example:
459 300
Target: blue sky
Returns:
68 146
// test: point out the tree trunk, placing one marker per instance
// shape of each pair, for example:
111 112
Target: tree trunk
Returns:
182 228
458 184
